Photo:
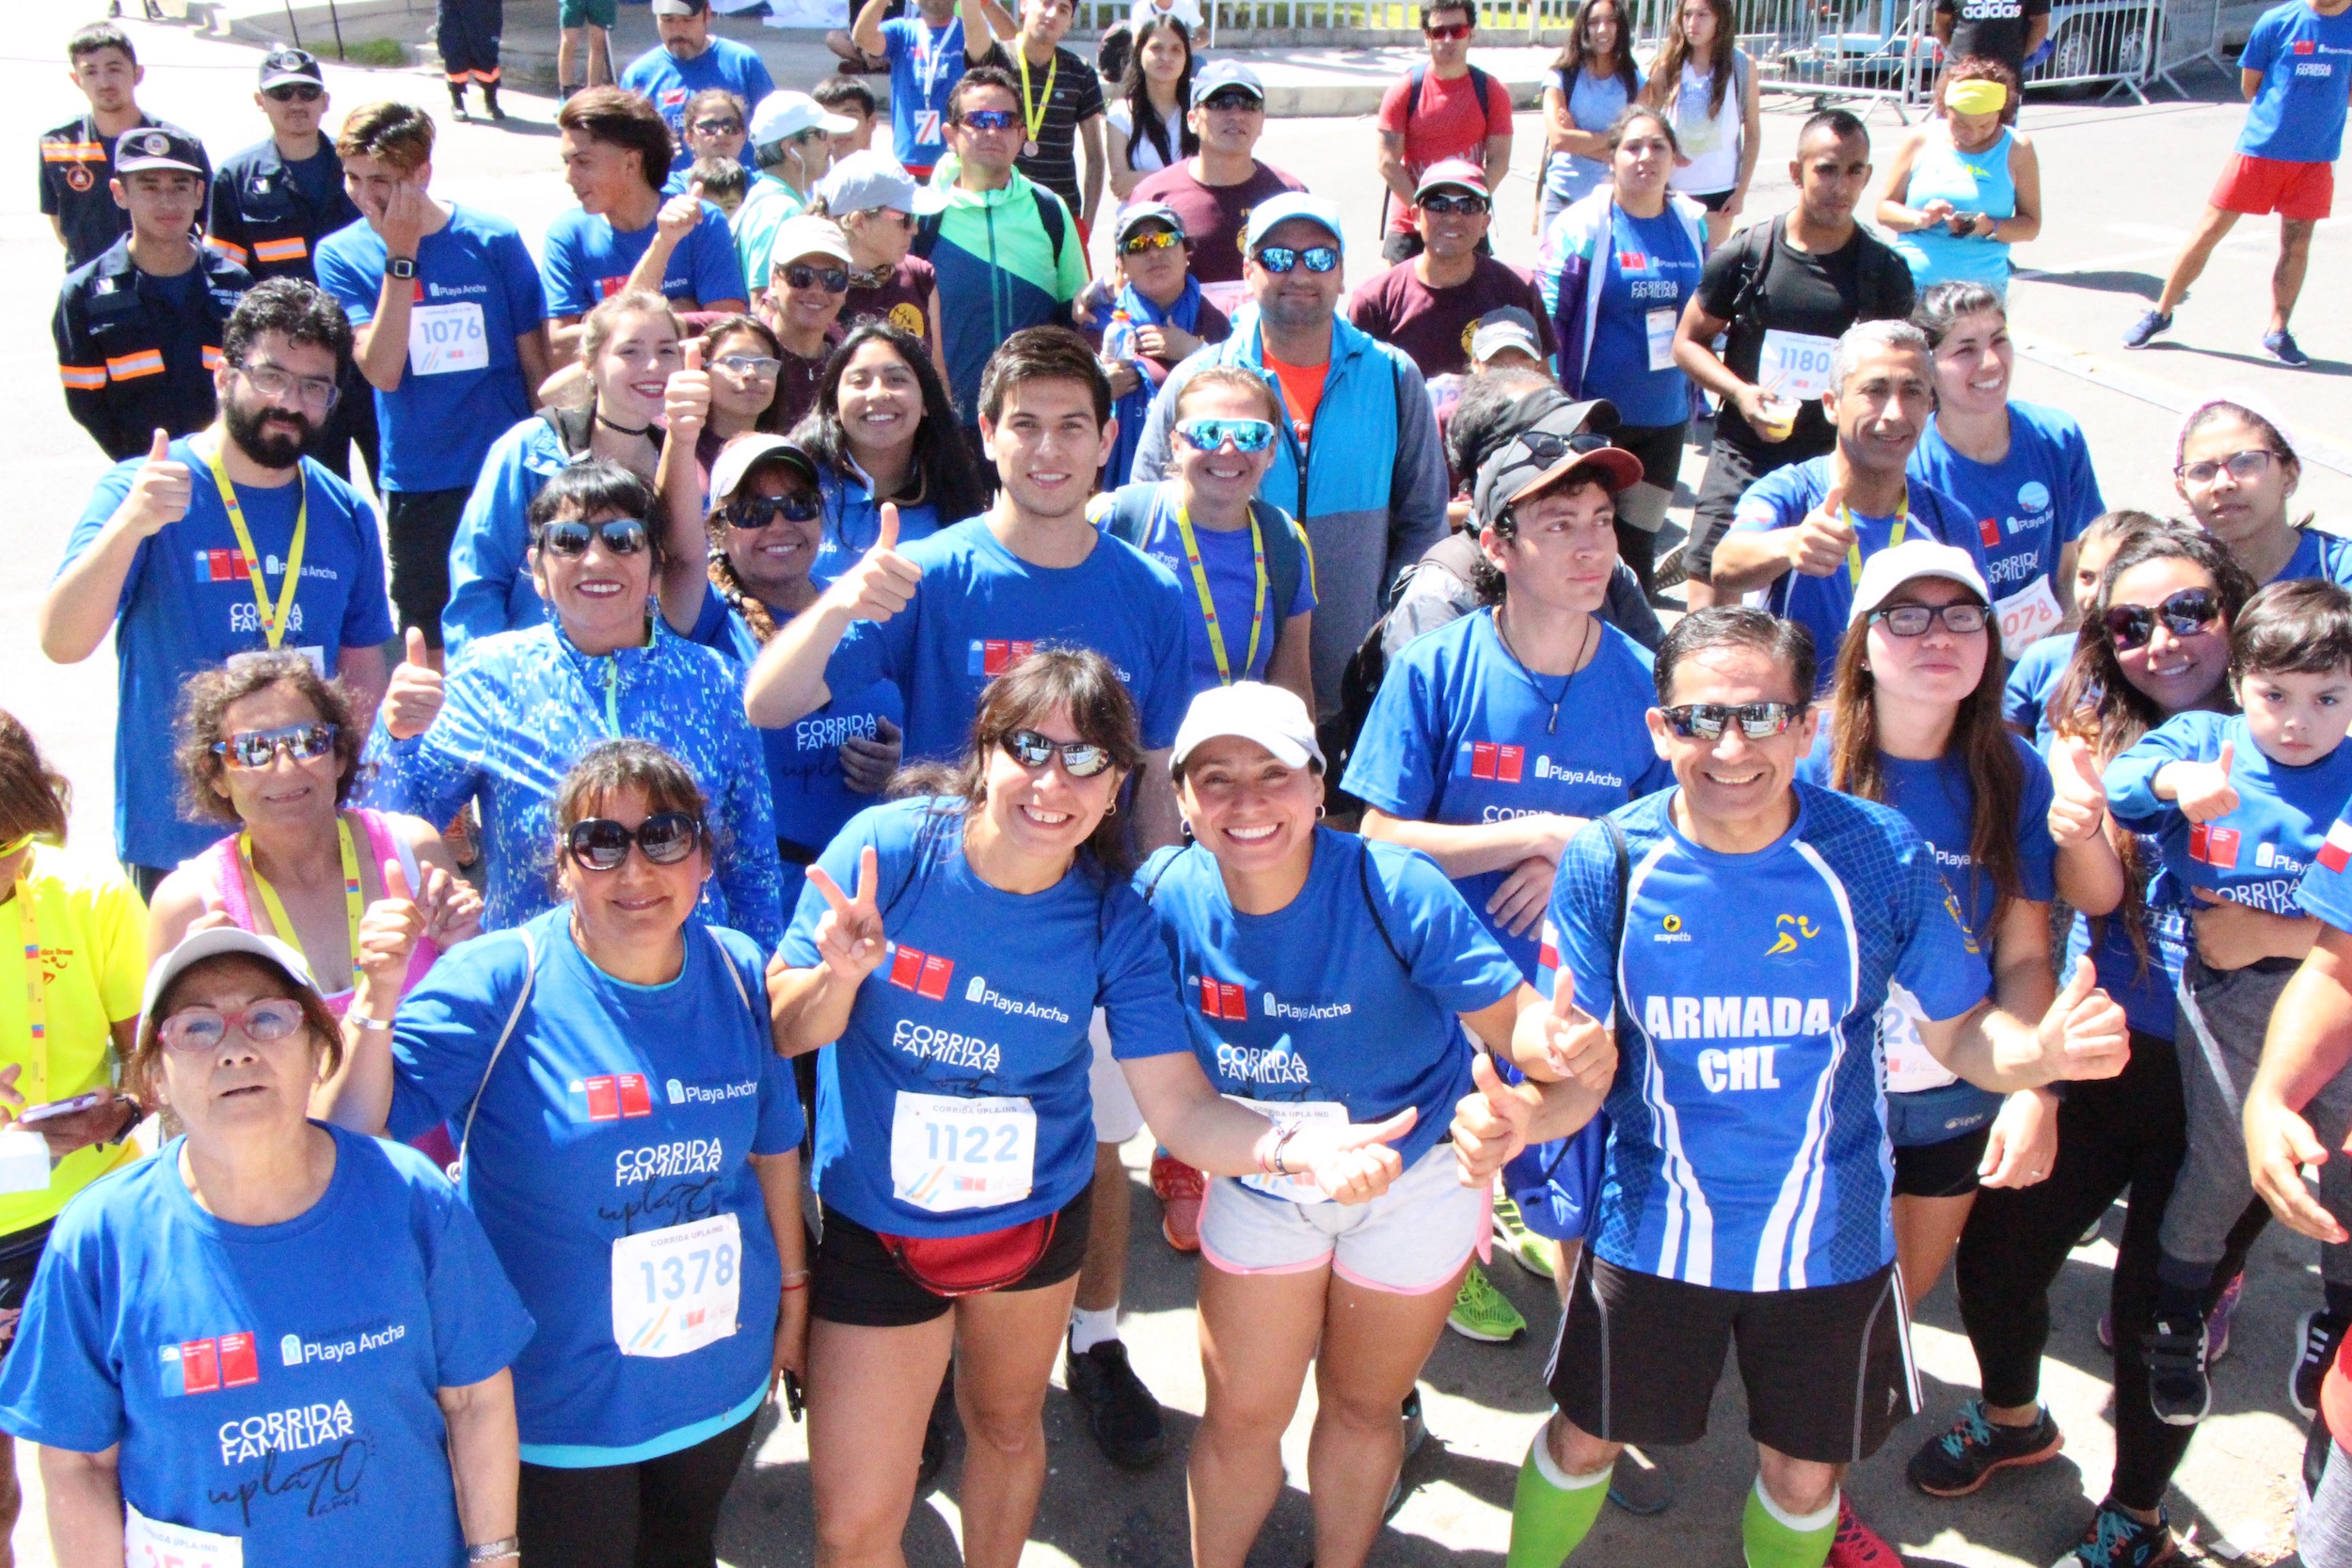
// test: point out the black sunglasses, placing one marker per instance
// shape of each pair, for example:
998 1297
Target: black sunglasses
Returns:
1708 720
753 513
835 279
1232 98
568 539
293 92
2184 614
1466 204
1080 759
600 844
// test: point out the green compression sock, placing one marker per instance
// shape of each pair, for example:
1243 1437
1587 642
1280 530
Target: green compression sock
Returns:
1552 1512
1776 1538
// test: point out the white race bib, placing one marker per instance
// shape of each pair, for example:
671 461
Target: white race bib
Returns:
2027 616
1287 1113
1795 365
1227 297
153 1544
949 1153
23 1162
446 338
676 1290
1659 326
926 133
1909 1065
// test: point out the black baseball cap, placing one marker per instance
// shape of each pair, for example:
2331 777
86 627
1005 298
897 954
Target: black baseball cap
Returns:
152 146
288 64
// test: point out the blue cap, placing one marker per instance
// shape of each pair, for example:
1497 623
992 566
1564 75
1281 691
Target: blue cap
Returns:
1316 210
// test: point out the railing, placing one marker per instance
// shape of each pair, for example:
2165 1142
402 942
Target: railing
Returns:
2097 41
1367 22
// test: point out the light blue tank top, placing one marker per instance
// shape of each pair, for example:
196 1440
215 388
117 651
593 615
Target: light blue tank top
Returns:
1594 104
1971 183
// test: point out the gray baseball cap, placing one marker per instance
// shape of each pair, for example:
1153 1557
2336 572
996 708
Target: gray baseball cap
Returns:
865 182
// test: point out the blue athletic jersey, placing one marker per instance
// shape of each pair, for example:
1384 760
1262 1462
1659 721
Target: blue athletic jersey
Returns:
2327 888
1011 1025
1460 733
1651 267
925 66
1783 498
2298 113
614 1110
272 1383
671 82
1748 1144
980 609
187 605
1231 566
440 421
2143 983
586 260
1310 1004
2257 854
2033 680
2029 505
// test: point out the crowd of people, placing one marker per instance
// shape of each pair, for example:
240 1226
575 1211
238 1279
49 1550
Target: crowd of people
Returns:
845 549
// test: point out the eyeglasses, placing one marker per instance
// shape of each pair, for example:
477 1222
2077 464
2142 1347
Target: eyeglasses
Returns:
1447 32
1232 98
259 747
2184 614
1464 204
797 275
600 844
293 92
1080 759
1708 720
567 540
1154 239
263 1023
1281 258
1209 435
990 119
748 364
2242 466
316 391
1913 619
717 127
753 513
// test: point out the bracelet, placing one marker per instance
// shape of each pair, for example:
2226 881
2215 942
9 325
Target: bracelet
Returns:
790 1289
1274 1158
795 1280
493 1551
361 1021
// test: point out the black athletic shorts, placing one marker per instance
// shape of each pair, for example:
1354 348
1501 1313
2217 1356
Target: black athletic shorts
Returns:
853 1279
1731 469
420 525
19 1254
1827 1369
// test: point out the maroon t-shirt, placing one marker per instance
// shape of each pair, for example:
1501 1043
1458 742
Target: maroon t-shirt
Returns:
1434 326
1214 216
903 300
796 385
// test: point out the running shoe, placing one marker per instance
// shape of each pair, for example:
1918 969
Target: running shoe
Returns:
1673 569
2217 1320
1180 1189
1526 1249
1483 1313
1121 1415
1639 1485
1856 1544
2178 1390
2116 1540
2318 1334
1965 1457
2146 328
2282 347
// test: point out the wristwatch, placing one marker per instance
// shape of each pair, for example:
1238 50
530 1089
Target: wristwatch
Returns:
399 266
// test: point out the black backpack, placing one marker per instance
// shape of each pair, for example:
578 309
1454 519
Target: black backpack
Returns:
1457 556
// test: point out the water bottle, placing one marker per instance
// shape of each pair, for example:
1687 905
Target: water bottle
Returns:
1119 338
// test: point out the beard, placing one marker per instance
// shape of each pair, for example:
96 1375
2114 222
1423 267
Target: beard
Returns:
259 436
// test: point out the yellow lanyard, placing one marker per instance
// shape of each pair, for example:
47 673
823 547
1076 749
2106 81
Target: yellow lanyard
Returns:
1854 551
273 621
1035 118
1258 593
36 992
352 901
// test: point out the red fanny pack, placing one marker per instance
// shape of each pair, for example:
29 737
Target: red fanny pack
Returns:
967 1266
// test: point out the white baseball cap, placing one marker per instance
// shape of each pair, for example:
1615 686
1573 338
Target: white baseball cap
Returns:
1907 561
214 943
739 457
801 236
788 114
1270 714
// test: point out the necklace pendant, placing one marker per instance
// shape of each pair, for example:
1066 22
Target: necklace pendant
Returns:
1028 149
1554 727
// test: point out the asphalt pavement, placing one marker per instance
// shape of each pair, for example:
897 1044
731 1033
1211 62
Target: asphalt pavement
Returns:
2123 183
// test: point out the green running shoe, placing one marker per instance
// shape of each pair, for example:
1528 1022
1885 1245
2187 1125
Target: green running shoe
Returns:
1481 1312
1528 1250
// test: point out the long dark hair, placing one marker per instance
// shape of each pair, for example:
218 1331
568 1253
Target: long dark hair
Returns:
943 471
1576 55
1996 775
1145 120
1665 75
35 798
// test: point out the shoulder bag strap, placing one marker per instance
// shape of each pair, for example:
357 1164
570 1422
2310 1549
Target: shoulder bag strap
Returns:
1372 902
513 1016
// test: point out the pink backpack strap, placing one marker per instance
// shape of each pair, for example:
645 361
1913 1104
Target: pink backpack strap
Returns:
220 865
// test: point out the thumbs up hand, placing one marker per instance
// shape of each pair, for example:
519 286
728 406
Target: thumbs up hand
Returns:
1353 1164
1819 546
1570 1044
2078 801
2203 790
1490 1124
2084 1033
883 582
686 397
679 214
160 489
413 698
389 930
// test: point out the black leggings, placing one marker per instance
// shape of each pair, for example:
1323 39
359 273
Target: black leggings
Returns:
2127 1134
660 1513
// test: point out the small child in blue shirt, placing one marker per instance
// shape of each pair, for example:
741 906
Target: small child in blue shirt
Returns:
2242 804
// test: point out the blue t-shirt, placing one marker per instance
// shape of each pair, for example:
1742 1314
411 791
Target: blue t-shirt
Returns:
2144 985
2029 505
2033 680
1009 1031
1781 499
2326 890
2257 854
1651 267
2298 113
272 1383
1311 1004
925 66
853 522
1461 732
475 285
615 1110
187 605
1231 566
1747 1144
671 82
1594 104
2318 554
980 609
585 260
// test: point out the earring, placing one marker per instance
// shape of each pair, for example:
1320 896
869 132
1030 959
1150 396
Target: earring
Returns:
1185 828
1321 813
1111 810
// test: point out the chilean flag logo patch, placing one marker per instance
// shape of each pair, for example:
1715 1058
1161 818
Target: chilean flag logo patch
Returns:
924 974
1496 762
1548 948
202 1366
2218 847
1989 529
992 656
1633 261
1222 1000
2336 853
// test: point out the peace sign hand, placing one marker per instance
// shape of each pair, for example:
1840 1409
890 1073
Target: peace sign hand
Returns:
850 933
